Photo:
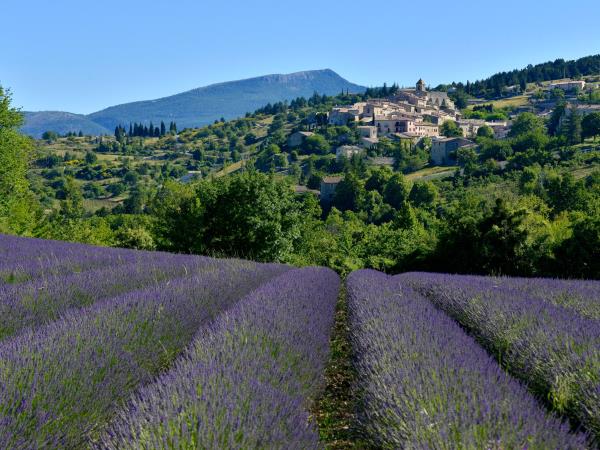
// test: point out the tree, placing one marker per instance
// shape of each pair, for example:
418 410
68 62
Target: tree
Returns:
396 191
49 136
266 159
71 206
579 255
450 129
91 157
555 118
502 240
316 144
590 125
460 99
533 140
565 193
485 131
348 193
163 128
119 133
378 179
136 202
17 207
572 127
131 177
198 154
249 215
423 193
523 84
526 123
314 181
493 149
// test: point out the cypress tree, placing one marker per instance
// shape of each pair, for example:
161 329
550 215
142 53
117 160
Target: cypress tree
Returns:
573 127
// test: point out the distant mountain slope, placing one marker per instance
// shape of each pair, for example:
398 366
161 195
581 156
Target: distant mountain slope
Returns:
36 123
229 100
200 106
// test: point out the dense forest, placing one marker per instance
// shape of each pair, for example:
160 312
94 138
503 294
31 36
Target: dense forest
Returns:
554 70
527 205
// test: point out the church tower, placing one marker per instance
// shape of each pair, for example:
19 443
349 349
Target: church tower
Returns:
421 85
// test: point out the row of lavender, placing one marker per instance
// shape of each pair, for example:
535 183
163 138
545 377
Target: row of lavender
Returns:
85 331
61 381
23 259
28 259
424 383
248 379
544 332
45 299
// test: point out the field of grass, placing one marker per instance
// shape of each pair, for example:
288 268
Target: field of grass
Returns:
512 102
230 168
429 173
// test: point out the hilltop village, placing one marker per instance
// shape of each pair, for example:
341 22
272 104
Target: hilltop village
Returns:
430 119
423 133
412 114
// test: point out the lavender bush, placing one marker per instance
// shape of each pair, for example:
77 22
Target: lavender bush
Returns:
424 383
247 380
26 259
45 299
61 382
23 259
547 337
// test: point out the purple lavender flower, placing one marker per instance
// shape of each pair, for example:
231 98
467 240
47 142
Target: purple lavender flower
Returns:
248 379
544 332
61 382
424 383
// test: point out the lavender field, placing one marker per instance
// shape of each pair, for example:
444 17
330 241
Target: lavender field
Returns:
119 349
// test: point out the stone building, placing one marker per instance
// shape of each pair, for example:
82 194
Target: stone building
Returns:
394 123
368 136
347 151
443 150
568 85
297 139
328 186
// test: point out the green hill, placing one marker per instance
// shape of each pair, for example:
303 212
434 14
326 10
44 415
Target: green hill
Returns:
61 122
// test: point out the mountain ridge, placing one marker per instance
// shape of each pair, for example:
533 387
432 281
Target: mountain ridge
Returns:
195 107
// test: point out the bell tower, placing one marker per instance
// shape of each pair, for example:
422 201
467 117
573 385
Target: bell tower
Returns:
421 85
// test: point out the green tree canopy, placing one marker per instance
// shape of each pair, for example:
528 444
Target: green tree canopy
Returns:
248 215
378 179
316 144
348 193
590 125
396 191
450 129
16 201
572 126
485 131
526 123
423 193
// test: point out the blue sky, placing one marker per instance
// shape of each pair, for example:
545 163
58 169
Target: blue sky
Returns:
81 56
